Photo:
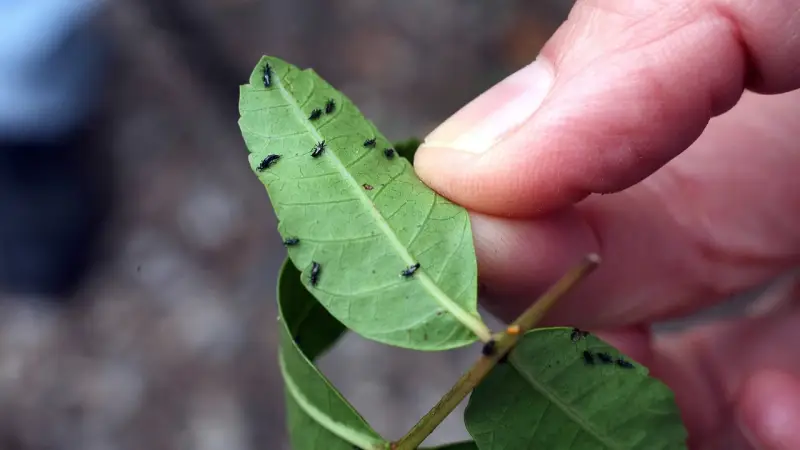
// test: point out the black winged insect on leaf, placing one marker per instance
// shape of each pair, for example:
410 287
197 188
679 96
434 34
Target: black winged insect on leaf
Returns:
605 358
267 162
410 270
267 75
315 270
578 334
624 364
318 149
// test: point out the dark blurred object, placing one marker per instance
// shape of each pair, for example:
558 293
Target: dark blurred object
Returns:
53 198
53 202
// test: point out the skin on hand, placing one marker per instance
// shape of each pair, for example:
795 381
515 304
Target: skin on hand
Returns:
643 100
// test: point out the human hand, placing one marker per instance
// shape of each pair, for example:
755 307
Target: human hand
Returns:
620 90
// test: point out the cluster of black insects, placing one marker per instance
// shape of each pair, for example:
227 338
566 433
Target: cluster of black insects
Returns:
577 334
605 358
316 151
316 113
330 106
588 357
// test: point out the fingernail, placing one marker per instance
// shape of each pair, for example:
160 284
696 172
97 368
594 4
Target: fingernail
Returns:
500 110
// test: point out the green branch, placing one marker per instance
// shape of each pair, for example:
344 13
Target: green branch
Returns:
494 351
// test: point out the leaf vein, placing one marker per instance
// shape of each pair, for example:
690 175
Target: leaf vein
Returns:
435 291
366 237
357 160
535 427
449 257
274 137
361 293
421 226
568 411
323 202
385 185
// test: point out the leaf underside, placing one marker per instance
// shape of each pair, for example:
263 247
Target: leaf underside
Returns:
549 397
317 415
361 216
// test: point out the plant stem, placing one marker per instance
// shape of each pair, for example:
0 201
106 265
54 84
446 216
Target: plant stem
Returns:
475 324
531 316
504 343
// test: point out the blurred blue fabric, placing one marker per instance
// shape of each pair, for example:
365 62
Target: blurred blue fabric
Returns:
51 58
52 64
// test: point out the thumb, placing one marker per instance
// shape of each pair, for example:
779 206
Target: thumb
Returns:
623 87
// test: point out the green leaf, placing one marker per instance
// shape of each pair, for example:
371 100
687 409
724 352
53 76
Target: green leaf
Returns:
362 217
548 397
408 148
317 414
457 446
310 325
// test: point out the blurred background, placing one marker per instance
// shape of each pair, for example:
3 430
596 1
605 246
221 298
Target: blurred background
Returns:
169 340
118 122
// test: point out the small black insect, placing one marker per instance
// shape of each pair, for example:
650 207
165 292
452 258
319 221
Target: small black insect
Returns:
267 162
369 143
489 348
267 75
291 241
330 106
318 149
367 186
315 114
409 271
605 358
587 357
578 334
315 269
624 364
389 152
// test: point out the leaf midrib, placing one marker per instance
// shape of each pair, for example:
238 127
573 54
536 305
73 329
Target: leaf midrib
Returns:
442 298
534 383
